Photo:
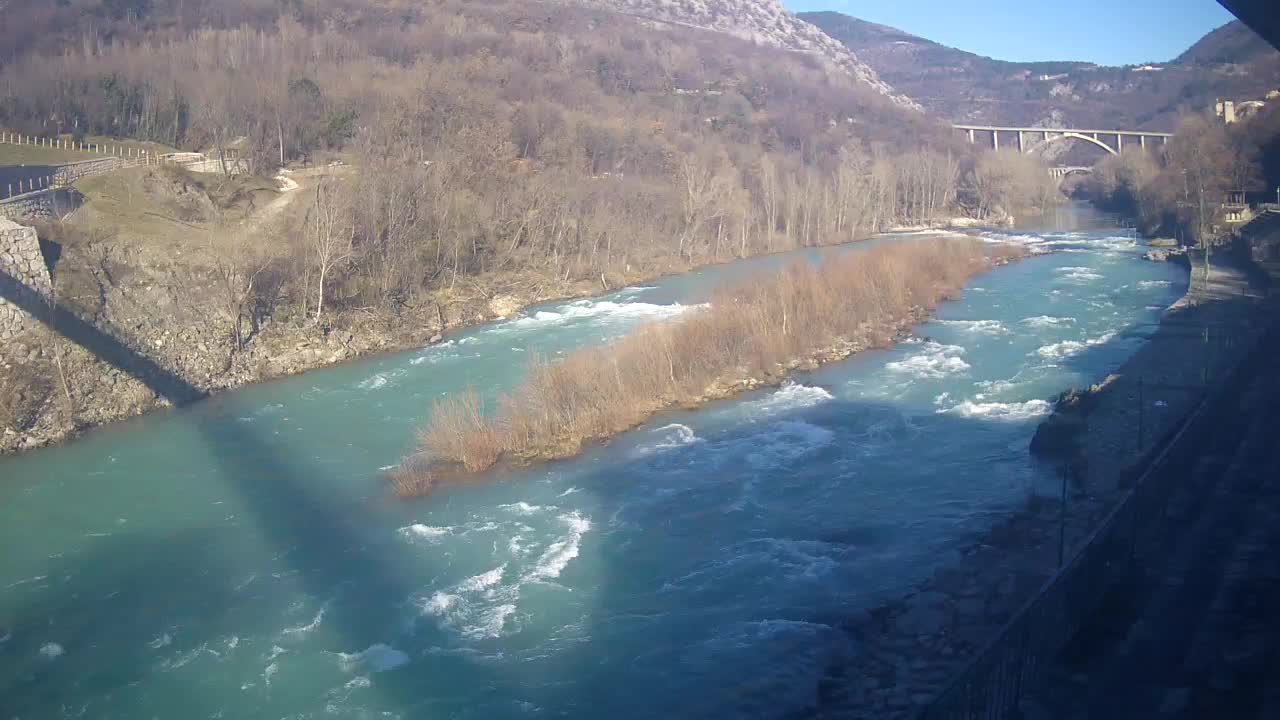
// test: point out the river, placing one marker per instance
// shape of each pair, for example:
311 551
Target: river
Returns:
244 558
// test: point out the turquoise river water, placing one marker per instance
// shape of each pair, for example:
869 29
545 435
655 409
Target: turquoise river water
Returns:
243 558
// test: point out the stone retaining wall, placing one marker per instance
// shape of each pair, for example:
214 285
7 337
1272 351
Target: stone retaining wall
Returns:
20 258
41 205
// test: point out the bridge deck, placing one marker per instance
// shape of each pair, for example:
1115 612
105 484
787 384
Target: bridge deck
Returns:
1126 133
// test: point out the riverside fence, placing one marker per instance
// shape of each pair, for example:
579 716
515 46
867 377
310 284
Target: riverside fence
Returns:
23 180
993 684
112 149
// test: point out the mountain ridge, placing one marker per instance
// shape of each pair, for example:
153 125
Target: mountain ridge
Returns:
766 22
1230 62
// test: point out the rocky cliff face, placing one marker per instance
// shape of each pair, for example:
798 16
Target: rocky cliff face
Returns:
763 21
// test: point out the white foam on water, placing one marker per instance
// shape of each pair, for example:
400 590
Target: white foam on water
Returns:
491 624
34 579
376 658
52 650
560 553
790 396
568 492
439 603
669 436
1011 411
979 327
934 362
358 682
1152 284
1067 348
483 580
182 658
269 671
996 237
996 386
603 309
303 630
1078 274
1047 321
924 232
523 508
165 640
380 380
479 607
429 533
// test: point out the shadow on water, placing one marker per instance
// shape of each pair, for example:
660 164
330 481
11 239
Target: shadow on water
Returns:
90 600
328 547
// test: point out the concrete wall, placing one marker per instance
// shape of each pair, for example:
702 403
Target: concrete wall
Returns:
20 258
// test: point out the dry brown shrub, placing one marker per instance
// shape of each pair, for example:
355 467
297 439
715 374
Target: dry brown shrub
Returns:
756 329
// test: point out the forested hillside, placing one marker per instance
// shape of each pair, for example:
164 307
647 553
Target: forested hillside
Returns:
1231 63
497 135
457 159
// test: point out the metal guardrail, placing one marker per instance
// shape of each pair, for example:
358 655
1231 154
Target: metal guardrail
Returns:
993 683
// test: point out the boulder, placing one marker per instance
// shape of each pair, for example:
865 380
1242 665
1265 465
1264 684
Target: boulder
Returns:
504 306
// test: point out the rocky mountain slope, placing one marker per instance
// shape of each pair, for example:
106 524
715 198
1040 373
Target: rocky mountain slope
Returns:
762 21
1229 63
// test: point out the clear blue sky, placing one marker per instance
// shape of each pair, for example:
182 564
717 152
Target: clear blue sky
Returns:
1108 32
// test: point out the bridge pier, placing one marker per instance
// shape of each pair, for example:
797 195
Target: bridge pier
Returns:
995 139
1020 146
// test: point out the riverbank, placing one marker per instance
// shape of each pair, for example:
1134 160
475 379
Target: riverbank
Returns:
55 390
909 649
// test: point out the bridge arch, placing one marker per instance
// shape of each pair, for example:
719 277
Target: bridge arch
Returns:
1074 136
1062 173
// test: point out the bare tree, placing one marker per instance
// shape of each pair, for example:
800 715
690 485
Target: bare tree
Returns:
239 264
330 235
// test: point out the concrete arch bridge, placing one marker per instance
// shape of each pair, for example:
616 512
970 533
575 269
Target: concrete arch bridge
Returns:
1031 140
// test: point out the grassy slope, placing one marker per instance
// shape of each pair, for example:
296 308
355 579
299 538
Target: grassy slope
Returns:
37 155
